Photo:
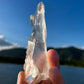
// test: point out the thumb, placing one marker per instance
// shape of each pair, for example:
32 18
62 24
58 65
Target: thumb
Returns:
21 78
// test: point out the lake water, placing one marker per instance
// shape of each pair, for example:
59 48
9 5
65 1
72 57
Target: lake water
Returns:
9 72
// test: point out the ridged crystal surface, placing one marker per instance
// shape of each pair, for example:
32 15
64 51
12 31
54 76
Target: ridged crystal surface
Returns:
36 65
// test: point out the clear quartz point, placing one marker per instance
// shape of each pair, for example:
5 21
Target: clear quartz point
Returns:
36 64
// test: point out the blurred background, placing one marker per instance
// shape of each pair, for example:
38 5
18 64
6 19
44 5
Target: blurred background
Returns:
65 33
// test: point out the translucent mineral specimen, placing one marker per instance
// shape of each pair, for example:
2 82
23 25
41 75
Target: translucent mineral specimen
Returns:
36 65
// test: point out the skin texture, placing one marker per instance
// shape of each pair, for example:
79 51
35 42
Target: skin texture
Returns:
55 76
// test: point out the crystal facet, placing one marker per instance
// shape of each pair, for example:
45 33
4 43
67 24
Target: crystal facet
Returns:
36 65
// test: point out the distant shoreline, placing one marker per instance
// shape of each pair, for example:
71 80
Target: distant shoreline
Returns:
9 60
70 56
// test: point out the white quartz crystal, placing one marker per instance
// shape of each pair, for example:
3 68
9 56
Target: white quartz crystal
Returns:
36 65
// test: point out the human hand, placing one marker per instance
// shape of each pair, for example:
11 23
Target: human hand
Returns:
55 76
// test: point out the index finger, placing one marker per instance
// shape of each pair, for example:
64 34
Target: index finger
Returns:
53 58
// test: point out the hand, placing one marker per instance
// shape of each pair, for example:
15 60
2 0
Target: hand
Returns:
55 76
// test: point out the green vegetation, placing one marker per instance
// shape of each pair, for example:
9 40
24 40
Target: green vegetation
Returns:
21 61
11 60
72 63
68 56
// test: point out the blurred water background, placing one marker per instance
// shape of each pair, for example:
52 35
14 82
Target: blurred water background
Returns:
9 73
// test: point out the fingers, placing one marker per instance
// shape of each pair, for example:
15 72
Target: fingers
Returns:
54 72
21 78
55 76
46 81
53 58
